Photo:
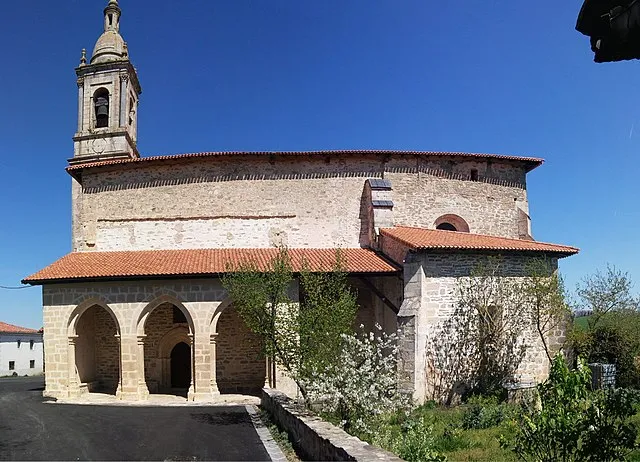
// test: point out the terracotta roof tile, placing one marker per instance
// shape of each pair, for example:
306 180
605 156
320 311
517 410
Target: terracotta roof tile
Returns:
11 329
149 263
532 161
420 238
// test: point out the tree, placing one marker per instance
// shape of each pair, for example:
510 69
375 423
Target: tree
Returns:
480 346
545 301
604 292
361 383
303 337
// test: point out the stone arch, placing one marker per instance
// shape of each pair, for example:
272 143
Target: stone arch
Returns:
155 303
75 315
94 348
215 316
451 222
165 346
158 332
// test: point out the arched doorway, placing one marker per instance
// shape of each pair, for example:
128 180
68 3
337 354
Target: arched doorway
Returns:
97 350
181 366
168 358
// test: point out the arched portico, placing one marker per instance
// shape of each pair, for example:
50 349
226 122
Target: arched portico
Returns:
93 346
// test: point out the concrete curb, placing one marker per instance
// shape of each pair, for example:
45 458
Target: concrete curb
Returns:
269 443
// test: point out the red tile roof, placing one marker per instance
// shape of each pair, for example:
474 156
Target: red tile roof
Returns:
194 262
532 161
11 329
420 238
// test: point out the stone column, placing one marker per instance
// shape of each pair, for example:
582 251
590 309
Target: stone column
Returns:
192 389
214 359
143 391
74 382
80 104
129 367
119 387
124 79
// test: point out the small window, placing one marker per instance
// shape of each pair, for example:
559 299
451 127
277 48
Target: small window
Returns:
178 316
446 227
32 364
12 365
19 343
474 174
31 342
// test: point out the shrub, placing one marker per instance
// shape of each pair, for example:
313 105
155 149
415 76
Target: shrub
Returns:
613 340
413 441
484 412
361 384
574 424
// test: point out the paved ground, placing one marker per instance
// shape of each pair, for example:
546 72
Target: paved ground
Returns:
33 429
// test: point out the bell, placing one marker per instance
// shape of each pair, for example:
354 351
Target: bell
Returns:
102 107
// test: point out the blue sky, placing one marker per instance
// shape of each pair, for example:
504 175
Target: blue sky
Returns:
480 76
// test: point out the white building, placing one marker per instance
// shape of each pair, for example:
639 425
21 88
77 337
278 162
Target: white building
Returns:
21 351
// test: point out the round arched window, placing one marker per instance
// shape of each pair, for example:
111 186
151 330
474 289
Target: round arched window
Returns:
451 222
445 226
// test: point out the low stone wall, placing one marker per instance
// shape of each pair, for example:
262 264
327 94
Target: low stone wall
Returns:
316 439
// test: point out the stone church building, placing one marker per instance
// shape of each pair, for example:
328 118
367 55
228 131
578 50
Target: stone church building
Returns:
137 306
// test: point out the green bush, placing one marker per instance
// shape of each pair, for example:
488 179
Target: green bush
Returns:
413 440
614 340
484 412
574 424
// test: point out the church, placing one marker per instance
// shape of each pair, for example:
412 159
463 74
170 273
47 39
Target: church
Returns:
137 306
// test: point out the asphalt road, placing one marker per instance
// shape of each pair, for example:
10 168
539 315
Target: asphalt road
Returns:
32 429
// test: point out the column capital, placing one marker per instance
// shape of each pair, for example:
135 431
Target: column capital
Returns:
212 338
72 339
141 339
80 82
124 77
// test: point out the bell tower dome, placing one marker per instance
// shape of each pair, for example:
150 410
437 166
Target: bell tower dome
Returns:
108 97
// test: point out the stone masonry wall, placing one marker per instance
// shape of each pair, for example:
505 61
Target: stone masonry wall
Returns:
442 274
419 199
241 366
262 201
107 351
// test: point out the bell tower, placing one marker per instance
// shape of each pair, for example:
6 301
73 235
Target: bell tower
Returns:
108 97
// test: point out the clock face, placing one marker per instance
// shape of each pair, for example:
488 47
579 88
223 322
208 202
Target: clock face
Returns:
99 146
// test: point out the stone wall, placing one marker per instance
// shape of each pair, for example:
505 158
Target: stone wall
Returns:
303 201
487 207
240 366
107 351
98 356
434 299
316 439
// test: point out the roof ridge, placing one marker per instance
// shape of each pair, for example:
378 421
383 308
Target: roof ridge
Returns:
79 166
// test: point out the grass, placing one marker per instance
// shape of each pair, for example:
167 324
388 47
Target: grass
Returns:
473 445
450 439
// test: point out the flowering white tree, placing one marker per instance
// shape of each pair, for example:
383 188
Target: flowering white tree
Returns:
362 381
